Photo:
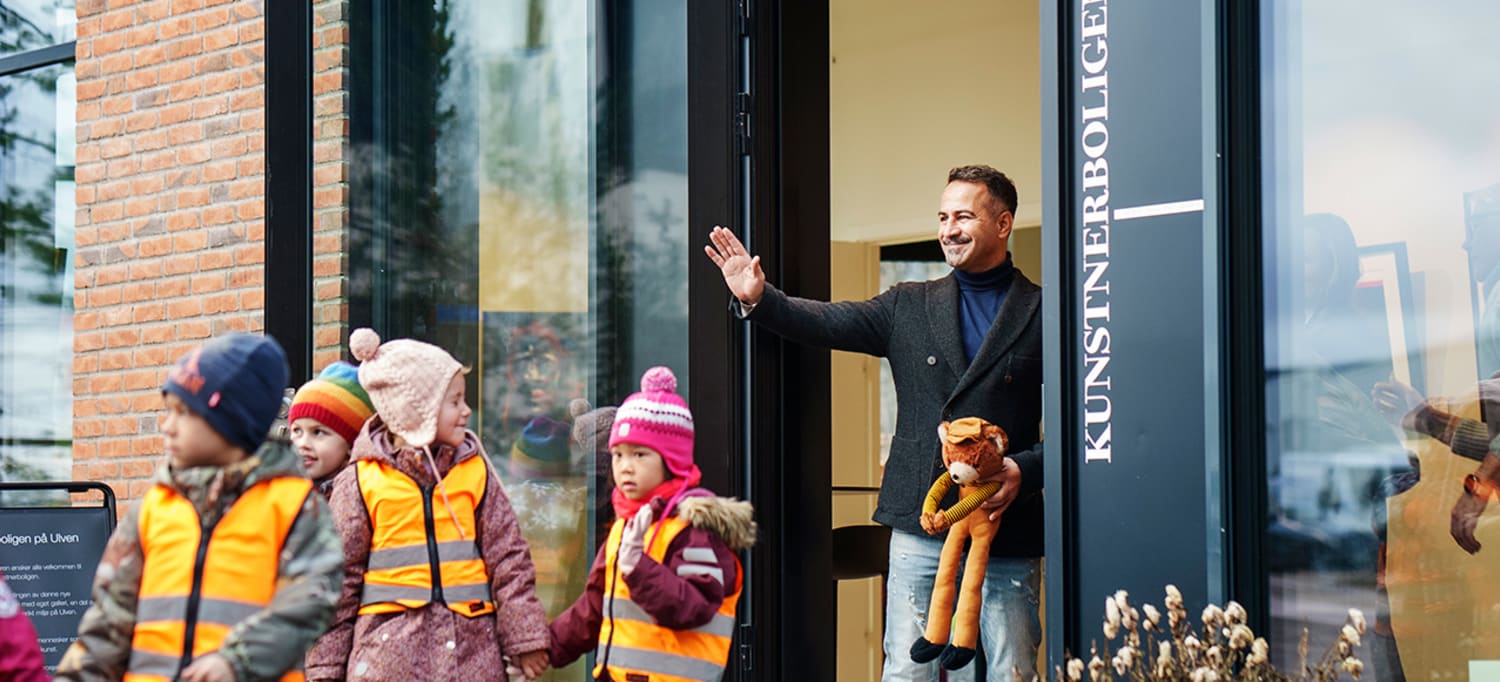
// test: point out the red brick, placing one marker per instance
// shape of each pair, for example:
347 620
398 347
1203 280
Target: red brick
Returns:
156 246
149 312
106 296
177 265
158 334
251 210
173 72
218 171
136 292
137 37
138 468
253 299
182 221
249 255
142 269
220 303
221 38
178 310
194 329
186 47
204 284
189 241
218 215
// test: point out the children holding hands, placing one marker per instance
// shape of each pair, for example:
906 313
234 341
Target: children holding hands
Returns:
661 597
438 581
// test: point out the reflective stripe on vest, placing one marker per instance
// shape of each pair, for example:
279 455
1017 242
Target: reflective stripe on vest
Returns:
630 641
212 585
412 536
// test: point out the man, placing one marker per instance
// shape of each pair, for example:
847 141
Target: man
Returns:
968 344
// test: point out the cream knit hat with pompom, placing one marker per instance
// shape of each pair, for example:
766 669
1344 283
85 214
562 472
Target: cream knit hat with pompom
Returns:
406 380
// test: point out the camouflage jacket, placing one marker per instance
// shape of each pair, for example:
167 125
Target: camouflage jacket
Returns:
263 646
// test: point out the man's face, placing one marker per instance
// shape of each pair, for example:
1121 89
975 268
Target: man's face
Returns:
973 228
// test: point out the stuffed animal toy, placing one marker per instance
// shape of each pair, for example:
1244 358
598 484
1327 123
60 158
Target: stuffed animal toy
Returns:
973 449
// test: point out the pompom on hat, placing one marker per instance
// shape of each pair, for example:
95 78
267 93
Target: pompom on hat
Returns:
659 419
406 380
334 399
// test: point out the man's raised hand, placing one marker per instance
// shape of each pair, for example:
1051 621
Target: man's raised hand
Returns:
742 273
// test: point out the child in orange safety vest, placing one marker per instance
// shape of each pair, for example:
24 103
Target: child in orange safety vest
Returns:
228 567
661 596
438 581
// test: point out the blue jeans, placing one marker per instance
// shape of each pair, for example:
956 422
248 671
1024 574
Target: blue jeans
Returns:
1010 628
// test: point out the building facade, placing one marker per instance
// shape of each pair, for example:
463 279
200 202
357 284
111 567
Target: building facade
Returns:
1268 247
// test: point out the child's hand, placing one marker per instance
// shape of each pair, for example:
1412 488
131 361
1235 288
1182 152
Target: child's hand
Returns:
633 539
531 664
208 668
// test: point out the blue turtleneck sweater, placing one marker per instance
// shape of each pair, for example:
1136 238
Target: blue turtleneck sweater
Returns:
980 296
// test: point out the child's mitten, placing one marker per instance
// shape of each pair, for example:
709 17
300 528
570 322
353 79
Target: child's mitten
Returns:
633 539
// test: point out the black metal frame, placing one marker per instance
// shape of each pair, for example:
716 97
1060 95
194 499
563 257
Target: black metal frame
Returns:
35 59
288 184
765 168
1242 322
109 503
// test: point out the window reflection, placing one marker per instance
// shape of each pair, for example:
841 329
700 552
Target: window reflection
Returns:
1383 243
518 183
32 24
36 274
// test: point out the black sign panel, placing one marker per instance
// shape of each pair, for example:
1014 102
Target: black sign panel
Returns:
48 556
1142 270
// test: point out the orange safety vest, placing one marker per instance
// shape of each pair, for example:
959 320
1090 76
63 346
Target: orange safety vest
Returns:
418 557
194 591
633 647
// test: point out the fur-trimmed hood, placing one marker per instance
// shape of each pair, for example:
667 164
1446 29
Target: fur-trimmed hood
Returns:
729 518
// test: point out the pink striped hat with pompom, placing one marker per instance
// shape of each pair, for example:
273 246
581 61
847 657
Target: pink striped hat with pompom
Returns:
659 419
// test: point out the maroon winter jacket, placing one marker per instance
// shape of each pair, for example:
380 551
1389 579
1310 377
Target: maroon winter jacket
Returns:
676 595
20 655
431 642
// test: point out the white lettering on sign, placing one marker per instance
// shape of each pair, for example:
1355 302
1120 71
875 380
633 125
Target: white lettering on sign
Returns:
1094 185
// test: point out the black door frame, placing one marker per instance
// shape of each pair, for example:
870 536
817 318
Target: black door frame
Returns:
758 150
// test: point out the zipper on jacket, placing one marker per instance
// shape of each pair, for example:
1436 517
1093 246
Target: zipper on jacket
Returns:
190 623
432 550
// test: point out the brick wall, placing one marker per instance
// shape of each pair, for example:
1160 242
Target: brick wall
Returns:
170 230
330 180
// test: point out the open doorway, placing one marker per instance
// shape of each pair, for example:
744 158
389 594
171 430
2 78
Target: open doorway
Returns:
914 90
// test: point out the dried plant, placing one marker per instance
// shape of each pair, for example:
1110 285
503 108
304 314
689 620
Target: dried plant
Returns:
1223 649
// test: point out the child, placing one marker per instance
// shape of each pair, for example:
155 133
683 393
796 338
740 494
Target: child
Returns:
326 416
20 656
661 597
438 582
245 602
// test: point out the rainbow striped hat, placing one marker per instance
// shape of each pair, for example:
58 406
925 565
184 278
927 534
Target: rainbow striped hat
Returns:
334 399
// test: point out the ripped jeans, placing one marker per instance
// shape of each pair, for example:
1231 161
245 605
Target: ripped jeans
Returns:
1010 628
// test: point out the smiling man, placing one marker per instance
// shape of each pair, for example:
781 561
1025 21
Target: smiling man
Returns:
965 345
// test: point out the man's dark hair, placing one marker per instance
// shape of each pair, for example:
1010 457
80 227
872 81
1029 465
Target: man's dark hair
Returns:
1000 187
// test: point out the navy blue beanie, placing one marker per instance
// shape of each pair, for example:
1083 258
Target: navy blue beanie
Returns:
235 383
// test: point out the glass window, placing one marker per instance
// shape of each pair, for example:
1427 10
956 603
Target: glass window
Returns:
519 196
36 274
1382 235
31 24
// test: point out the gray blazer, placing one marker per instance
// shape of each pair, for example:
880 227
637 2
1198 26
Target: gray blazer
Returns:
916 326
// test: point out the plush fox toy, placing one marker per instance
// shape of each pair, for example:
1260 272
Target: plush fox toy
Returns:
972 449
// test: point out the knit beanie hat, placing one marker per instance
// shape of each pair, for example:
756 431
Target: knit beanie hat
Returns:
234 383
334 399
591 429
541 451
406 380
659 419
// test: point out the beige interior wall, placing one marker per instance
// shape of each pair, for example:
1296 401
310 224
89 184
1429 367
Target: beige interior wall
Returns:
917 88
855 419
